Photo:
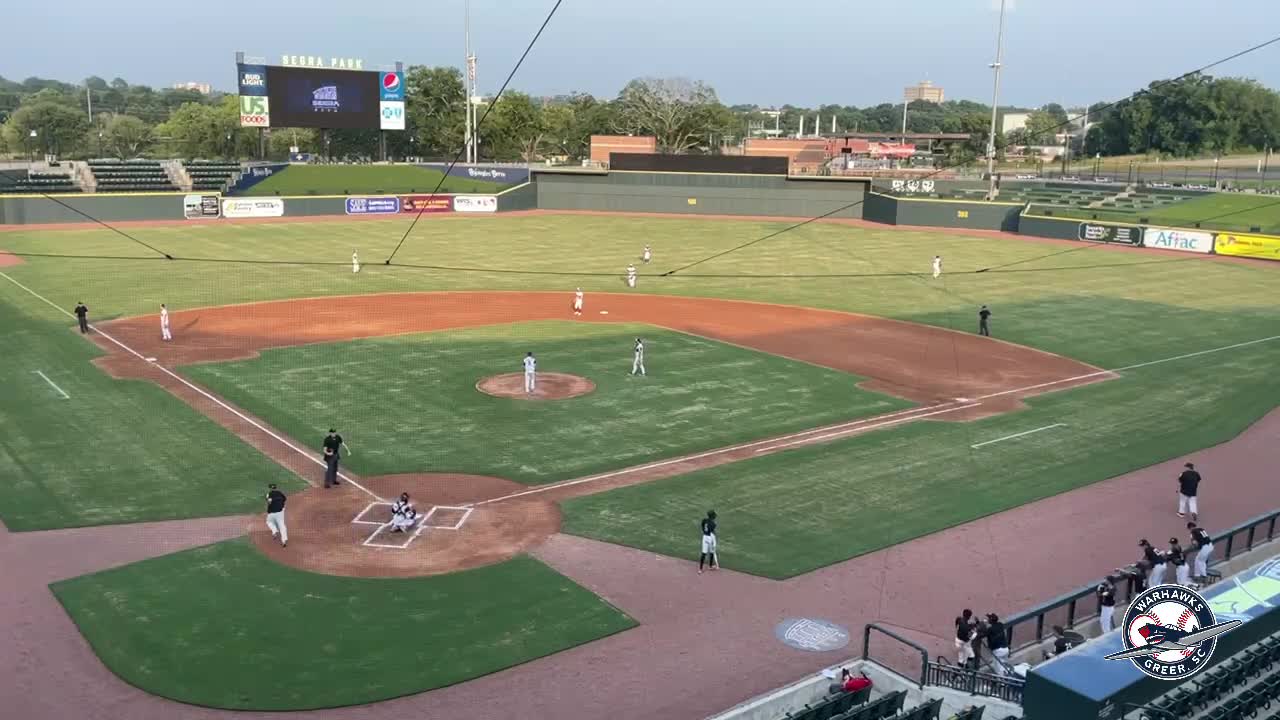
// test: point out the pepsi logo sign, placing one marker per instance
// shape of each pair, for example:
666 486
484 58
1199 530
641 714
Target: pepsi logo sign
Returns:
391 82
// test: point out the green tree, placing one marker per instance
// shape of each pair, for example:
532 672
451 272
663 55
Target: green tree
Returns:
515 129
435 110
673 110
126 136
59 129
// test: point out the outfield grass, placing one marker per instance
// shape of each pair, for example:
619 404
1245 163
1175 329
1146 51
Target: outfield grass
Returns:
408 403
221 626
115 451
793 512
365 180
1215 211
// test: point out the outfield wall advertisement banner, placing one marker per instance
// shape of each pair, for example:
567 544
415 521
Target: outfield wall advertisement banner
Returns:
1099 232
426 203
1266 247
1184 240
195 207
253 208
373 205
255 110
475 203
491 173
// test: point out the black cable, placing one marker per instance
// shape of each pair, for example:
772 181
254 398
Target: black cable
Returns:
78 211
479 123
1147 90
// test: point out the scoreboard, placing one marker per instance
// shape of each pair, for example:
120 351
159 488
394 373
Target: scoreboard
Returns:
318 97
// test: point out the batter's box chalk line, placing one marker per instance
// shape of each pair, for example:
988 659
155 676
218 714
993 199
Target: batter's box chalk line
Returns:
382 528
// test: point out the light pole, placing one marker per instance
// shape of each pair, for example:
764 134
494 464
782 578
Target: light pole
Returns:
99 143
995 105
31 141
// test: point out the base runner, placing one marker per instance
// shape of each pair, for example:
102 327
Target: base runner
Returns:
577 302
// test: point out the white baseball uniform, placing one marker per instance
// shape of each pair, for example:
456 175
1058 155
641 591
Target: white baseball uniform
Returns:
937 266
637 363
631 276
355 262
530 371
647 256
403 515
164 324
577 303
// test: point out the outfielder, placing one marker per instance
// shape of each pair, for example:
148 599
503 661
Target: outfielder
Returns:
709 542
275 515
637 362
403 515
577 302
631 276
355 261
530 372
647 255
164 323
937 266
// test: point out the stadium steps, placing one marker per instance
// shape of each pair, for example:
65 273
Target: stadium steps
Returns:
177 174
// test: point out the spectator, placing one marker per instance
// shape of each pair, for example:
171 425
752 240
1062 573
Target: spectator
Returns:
850 683
1188 486
966 629
1203 545
1106 605
998 643
1154 560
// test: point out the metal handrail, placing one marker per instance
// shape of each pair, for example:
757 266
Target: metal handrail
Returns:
866 647
975 682
1071 600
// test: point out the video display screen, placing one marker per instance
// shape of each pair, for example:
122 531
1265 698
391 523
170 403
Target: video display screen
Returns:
322 98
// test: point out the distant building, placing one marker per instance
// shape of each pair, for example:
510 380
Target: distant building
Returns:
202 88
1013 121
926 91
603 145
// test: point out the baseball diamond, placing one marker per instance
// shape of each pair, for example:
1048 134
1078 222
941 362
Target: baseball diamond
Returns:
680 432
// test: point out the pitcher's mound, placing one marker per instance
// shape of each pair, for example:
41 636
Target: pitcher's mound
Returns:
550 386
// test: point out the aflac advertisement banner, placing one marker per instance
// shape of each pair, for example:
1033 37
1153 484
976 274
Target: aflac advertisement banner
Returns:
1184 240
475 203
373 205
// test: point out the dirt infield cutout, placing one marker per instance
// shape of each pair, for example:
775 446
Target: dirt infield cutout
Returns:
549 386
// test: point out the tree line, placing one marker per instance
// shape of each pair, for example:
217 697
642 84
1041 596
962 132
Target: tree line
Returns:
1192 116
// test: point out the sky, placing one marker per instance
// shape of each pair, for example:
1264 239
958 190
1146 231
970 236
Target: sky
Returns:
803 52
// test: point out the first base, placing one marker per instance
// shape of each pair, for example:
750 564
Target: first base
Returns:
604 312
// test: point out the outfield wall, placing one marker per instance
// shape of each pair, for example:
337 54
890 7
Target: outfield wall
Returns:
942 213
700 194
28 210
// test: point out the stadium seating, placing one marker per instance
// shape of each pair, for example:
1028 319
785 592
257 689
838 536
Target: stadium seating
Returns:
927 711
972 713
832 706
1240 686
39 182
210 174
130 176
885 706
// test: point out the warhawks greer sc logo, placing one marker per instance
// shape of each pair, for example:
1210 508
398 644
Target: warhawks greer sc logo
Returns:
1170 632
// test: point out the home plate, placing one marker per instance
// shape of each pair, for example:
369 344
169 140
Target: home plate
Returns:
604 312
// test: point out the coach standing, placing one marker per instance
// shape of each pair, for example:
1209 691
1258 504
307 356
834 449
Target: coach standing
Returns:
332 448
82 316
1188 485
275 515
984 318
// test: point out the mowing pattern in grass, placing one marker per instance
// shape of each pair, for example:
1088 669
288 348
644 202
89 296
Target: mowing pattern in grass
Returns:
222 626
1215 211
116 451
364 180
409 403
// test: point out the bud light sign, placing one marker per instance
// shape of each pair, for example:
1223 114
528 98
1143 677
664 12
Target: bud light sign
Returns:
373 205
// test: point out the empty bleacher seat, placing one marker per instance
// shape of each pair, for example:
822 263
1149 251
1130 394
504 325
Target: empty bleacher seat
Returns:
130 175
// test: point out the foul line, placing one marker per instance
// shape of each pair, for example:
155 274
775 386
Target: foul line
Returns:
65 396
1018 435
836 430
873 426
309 455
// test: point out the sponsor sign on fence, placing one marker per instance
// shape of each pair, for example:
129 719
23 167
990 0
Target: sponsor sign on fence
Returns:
373 205
1184 240
1099 232
201 206
1266 247
475 203
426 203
253 208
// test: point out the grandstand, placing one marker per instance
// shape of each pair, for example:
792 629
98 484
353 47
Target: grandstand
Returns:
33 181
130 176
211 174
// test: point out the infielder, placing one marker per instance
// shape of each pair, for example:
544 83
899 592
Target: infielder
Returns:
530 372
1203 545
355 261
164 323
275 515
631 276
937 266
403 516
577 302
647 255
637 362
709 542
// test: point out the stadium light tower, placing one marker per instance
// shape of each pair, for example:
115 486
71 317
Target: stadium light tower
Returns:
467 78
995 105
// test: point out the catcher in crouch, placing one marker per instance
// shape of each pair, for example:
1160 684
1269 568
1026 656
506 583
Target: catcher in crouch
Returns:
403 516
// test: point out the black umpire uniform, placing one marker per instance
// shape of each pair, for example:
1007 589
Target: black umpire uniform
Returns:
82 317
332 447
984 315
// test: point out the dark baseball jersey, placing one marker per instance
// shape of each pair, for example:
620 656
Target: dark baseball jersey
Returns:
1106 596
708 526
333 442
1176 555
1188 482
1200 538
275 501
1152 556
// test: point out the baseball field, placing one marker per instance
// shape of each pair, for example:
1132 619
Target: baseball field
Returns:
818 389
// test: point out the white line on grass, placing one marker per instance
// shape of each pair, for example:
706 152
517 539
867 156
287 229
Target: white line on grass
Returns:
307 454
1018 435
873 426
52 384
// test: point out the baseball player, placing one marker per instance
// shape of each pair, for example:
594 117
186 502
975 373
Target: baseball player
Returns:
275 515
937 266
332 455
1188 486
530 372
1203 545
1106 605
1154 559
355 261
637 362
709 543
631 276
164 323
984 318
647 255
403 516
966 629
1182 571
577 302
82 317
